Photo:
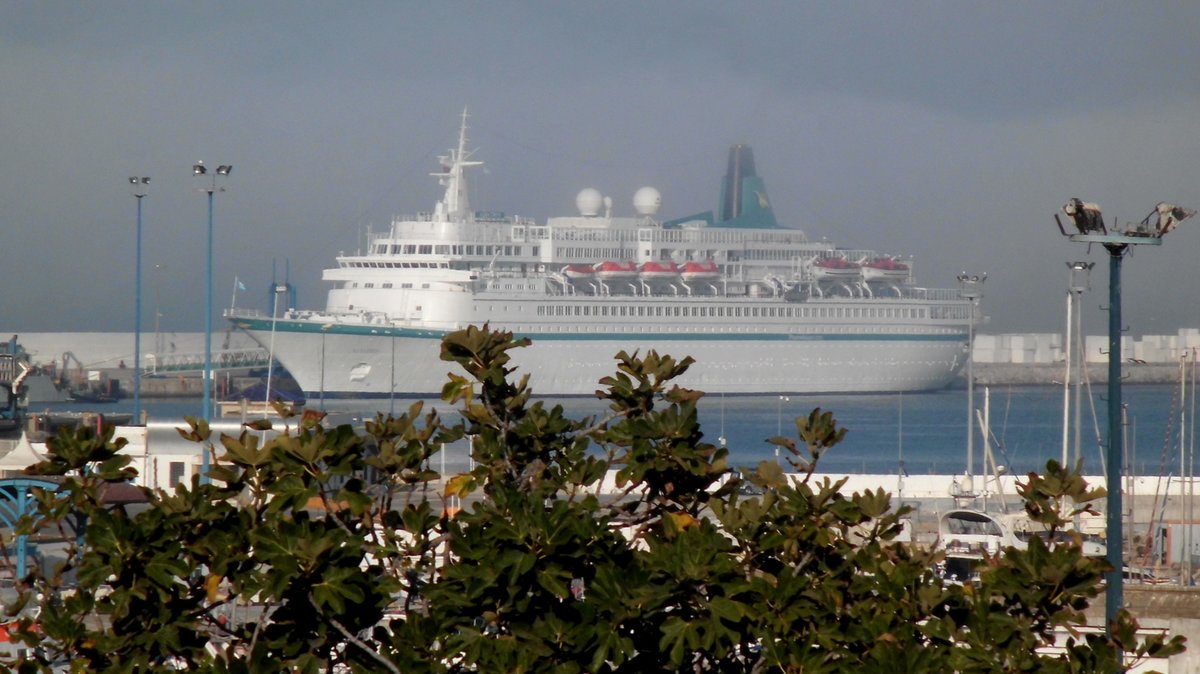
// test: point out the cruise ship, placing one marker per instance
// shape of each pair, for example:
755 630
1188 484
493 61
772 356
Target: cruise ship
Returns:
760 307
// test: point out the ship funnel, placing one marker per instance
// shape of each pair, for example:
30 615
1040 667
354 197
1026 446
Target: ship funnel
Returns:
741 165
744 200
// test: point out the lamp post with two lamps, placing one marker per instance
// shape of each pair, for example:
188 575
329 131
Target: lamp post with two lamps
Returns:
1089 222
141 186
198 169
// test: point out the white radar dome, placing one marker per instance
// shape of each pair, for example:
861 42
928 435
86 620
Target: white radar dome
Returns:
589 201
647 201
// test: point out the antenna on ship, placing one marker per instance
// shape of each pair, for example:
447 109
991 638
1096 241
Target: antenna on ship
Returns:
455 205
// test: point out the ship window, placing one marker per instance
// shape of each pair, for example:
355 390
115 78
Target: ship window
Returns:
442 249
405 285
387 285
410 248
535 251
368 285
425 285
395 248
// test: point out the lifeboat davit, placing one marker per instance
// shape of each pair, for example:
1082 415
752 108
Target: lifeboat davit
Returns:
658 271
836 269
615 271
884 269
577 272
700 271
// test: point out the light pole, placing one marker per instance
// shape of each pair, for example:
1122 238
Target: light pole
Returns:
141 185
970 288
198 169
1089 222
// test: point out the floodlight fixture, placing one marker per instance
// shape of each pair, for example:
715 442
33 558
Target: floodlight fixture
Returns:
224 169
139 185
1164 218
198 169
1080 271
1085 215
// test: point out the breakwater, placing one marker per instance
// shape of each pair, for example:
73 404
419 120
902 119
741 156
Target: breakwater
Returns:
1037 374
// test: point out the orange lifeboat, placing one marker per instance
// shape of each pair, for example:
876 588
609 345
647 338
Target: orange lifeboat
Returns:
884 269
836 268
700 271
658 271
577 272
615 271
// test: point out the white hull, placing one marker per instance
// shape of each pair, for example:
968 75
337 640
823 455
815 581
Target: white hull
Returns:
364 365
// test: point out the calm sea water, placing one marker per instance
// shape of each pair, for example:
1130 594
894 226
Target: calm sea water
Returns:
926 431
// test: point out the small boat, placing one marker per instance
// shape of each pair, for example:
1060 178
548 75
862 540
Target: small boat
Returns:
884 269
615 271
836 269
89 395
700 271
968 537
658 271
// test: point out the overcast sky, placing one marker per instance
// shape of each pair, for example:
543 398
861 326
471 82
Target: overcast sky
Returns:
949 131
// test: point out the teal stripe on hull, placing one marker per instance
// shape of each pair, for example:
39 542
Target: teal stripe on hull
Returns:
265 325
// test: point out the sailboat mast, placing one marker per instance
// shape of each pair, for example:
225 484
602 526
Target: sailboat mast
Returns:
1066 425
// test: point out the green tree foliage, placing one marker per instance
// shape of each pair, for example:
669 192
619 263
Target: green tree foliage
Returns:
323 550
